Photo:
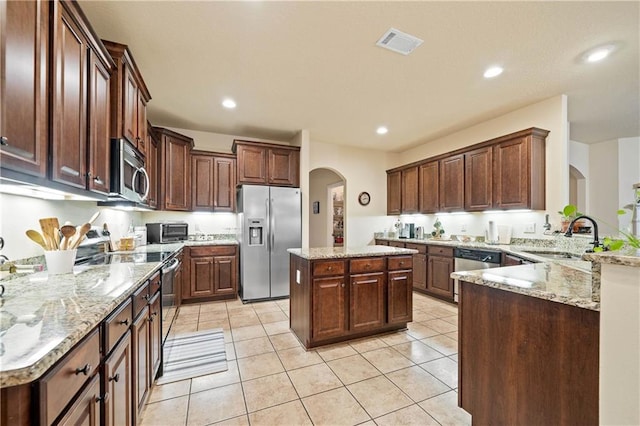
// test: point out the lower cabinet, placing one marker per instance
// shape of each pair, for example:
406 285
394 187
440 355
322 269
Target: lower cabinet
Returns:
86 408
419 267
329 316
117 384
141 351
366 305
155 336
399 290
211 273
439 269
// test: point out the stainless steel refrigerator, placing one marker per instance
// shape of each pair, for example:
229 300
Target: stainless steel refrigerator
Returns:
270 222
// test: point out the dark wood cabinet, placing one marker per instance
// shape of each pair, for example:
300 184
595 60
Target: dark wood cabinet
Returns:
212 273
213 179
174 172
409 197
511 260
439 269
429 187
155 336
86 407
419 266
478 179
117 383
394 192
141 355
99 172
451 192
151 165
399 286
367 301
329 316
267 164
24 66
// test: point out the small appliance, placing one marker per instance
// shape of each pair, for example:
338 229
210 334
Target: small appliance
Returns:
167 232
129 179
420 232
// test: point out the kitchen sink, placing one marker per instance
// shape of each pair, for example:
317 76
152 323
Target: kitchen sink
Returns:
556 255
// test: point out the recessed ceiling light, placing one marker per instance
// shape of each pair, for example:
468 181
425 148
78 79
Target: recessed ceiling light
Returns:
599 53
381 130
493 72
229 103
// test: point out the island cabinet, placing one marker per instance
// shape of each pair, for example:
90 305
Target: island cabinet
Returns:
439 269
213 180
339 299
211 273
174 170
525 360
420 267
267 164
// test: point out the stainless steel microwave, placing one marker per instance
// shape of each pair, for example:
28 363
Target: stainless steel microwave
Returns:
129 179
167 232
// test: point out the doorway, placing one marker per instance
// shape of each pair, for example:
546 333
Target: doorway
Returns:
335 199
322 182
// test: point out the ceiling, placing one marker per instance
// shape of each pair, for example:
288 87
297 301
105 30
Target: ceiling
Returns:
314 65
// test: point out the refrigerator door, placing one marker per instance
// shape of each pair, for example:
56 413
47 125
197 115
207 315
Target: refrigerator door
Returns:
254 253
285 232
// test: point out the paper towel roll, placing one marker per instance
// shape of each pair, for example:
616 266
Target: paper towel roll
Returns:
492 233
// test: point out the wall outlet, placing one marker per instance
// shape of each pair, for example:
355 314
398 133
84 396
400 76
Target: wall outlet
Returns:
530 228
463 227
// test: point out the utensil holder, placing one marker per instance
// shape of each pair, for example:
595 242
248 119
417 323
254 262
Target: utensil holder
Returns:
60 261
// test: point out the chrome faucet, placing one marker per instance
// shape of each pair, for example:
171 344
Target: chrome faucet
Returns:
596 242
547 225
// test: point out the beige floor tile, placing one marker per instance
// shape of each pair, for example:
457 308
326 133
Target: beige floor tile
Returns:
291 413
178 329
278 327
189 309
283 304
284 341
454 357
367 423
329 353
170 412
387 359
257 346
214 316
441 311
268 306
215 405
443 369
409 416
441 326
259 366
314 379
453 335
444 408
417 351
230 351
417 383
353 369
396 338
186 319
244 319
236 421
228 337
367 344
418 330
379 396
170 390
335 407
453 319
246 333
293 358
268 391
419 316
208 325
216 380
220 306
442 344
267 317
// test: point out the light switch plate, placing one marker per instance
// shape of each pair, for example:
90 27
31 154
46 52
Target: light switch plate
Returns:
530 228
297 276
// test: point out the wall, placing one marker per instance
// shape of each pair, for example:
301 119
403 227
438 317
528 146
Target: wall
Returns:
628 175
579 159
319 179
603 185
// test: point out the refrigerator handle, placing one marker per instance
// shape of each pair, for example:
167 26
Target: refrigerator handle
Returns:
267 206
272 226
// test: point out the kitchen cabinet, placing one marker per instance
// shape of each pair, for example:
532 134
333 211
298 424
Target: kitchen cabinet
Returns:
399 286
267 164
213 178
329 314
99 168
511 260
398 244
86 407
130 97
451 179
367 294
429 187
117 384
24 102
478 182
141 355
151 165
155 337
211 273
409 197
419 266
382 242
174 172
439 269
394 192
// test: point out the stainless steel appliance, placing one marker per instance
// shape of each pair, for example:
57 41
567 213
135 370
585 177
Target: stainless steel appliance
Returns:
168 292
470 259
270 222
167 232
129 179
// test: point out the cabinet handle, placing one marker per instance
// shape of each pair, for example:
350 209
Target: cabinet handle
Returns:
4 141
104 398
115 378
330 268
367 266
342 285
146 297
84 370
124 322
69 171
98 180
401 263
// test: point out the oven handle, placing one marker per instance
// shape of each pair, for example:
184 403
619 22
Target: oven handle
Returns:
171 267
147 185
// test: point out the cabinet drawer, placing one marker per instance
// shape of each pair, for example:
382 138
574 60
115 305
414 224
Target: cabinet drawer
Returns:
154 284
368 264
398 244
422 248
140 299
400 262
212 251
440 251
58 387
328 268
117 324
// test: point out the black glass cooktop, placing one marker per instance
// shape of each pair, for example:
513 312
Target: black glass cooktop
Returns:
137 257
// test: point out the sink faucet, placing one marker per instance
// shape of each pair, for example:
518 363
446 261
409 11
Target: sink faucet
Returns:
596 242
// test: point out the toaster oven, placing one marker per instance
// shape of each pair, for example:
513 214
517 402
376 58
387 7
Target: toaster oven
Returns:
167 232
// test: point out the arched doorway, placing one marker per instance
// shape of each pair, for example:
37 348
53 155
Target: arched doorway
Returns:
577 189
327 218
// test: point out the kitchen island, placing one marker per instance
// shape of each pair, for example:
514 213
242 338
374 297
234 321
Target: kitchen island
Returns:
338 294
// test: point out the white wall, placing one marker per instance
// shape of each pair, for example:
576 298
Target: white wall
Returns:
603 185
628 175
319 179
579 159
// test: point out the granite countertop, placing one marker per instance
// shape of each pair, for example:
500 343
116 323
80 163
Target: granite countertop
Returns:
628 257
346 252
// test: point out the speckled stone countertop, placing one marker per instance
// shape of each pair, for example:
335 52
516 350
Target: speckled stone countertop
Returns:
627 257
346 252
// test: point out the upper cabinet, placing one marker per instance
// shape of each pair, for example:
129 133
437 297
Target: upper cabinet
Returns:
213 180
394 192
129 96
429 187
151 165
478 178
409 197
24 46
267 164
451 179
174 170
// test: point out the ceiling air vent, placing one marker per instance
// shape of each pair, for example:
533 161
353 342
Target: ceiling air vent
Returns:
398 41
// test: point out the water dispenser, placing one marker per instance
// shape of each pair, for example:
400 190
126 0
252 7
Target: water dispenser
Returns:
256 232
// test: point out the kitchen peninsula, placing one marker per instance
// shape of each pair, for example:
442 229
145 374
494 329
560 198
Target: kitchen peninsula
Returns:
338 294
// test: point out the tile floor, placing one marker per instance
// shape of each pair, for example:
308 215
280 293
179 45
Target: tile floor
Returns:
403 378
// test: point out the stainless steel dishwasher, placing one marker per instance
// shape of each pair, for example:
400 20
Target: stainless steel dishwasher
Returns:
471 259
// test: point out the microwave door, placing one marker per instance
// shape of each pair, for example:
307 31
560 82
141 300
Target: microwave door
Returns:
141 184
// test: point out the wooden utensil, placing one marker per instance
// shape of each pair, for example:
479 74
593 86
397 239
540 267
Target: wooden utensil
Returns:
93 218
37 238
68 231
48 224
81 233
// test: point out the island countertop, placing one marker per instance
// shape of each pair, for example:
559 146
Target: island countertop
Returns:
346 252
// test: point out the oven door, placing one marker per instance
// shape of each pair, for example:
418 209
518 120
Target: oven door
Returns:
168 292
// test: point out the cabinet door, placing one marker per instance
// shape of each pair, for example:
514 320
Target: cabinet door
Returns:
409 198
394 192
177 180
512 174
428 187
252 164
24 46
284 167
69 100
141 348
224 184
439 281
141 126
130 107
328 308
202 183
155 337
367 301
478 187
451 192
86 407
151 165
399 297
117 383
420 271
201 270
224 275
99 143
